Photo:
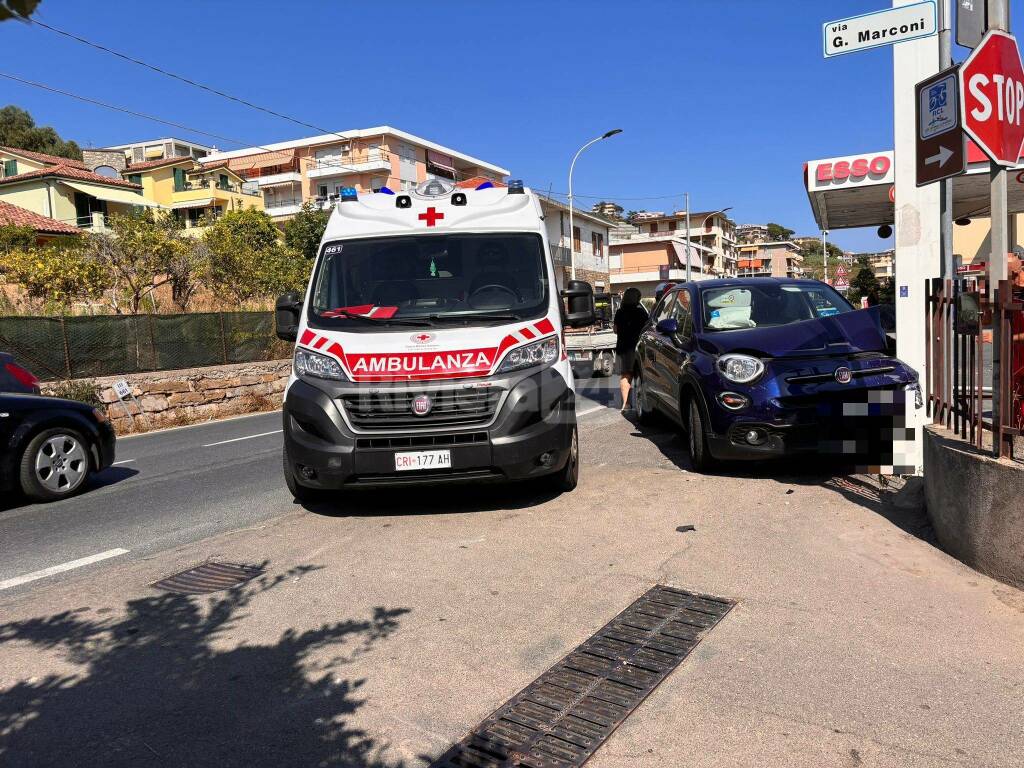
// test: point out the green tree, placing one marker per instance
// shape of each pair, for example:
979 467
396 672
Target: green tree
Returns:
138 256
304 232
814 264
13 237
18 129
17 9
887 293
864 283
58 274
247 261
778 232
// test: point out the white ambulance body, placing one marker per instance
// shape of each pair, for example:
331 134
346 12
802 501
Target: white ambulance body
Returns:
429 345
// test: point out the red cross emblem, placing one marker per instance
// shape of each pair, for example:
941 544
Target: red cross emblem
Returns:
431 215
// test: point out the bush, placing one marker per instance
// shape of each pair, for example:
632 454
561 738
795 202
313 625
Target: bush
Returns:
82 390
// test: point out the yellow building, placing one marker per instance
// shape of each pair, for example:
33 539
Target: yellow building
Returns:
193 193
64 190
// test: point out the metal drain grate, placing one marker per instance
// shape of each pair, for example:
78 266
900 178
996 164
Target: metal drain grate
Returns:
560 719
208 577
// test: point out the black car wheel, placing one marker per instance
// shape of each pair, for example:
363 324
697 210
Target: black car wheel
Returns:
644 414
697 439
55 464
301 493
567 478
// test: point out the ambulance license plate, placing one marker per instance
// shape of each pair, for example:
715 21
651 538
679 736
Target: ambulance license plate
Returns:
423 460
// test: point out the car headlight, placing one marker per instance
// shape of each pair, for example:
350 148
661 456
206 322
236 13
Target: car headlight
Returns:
742 369
543 352
321 366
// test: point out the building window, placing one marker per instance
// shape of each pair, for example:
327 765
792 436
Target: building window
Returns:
576 244
135 178
321 190
179 179
377 183
10 168
671 226
709 223
654 227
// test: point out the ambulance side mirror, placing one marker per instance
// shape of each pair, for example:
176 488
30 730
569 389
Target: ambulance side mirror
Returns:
580 298
286 316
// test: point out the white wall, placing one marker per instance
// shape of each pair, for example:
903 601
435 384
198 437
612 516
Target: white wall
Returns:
556 220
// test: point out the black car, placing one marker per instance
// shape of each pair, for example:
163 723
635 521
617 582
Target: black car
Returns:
50 446
755 368
14 378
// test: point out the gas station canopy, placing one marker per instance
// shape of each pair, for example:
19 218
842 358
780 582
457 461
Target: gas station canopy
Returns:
858 191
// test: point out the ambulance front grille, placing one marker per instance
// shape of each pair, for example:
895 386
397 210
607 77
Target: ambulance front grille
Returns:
393 410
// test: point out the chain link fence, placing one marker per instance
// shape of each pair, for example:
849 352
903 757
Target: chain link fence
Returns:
56 348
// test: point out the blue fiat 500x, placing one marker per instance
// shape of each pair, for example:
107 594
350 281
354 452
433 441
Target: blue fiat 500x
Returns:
755 368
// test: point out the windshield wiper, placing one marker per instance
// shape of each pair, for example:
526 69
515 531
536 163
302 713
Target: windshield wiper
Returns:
385 320
475 316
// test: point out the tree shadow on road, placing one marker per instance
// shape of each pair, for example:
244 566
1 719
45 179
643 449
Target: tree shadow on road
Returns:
168 684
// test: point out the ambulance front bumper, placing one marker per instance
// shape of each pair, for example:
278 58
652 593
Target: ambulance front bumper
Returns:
528 436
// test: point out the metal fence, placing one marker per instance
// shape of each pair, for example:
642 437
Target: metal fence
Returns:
86 347
966 391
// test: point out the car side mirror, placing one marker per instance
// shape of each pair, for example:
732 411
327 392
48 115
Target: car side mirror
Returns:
286 316
580 298
668 327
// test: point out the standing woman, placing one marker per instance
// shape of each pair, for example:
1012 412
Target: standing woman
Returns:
628 323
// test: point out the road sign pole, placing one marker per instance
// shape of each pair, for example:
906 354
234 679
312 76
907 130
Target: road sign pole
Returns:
688 238
946 185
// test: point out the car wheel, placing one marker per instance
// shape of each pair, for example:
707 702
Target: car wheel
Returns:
567 478
301 493
644 414
55 464
697 440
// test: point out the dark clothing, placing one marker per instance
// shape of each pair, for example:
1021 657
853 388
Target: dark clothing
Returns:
629 322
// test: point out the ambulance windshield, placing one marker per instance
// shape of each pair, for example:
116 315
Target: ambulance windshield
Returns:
429 280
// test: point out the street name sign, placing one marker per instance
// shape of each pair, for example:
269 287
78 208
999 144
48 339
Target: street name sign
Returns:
992 91
885 27
941 144
971 22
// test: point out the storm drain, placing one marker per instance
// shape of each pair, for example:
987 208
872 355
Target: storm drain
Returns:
208 577
561 718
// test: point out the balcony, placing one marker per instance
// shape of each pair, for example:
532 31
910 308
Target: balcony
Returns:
206 184
366 162
277 178
286 206
560 255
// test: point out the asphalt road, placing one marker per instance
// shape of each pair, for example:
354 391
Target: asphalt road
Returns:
170 488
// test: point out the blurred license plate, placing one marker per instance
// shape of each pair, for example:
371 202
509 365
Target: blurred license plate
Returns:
579 356
423 460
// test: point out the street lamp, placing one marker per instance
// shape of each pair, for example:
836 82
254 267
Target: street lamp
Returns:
705 221
572 165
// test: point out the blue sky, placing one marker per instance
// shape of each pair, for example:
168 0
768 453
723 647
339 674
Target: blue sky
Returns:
723 98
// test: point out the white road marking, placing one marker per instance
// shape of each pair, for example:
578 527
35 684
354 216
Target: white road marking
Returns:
71 565
247 437
590 410
124 461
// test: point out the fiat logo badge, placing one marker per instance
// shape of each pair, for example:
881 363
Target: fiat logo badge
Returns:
421 405
422 338
843 375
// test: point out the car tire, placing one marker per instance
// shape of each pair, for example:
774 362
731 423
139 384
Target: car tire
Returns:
301 493
55 464
567 478
697 439
644 414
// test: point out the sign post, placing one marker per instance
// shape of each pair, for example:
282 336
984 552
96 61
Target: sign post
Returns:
941 144
124 390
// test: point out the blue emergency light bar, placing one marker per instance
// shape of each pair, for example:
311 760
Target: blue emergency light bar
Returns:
384 191
515 186
485 185
348 194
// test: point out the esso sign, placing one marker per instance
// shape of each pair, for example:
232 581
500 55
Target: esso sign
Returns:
992 85
856 168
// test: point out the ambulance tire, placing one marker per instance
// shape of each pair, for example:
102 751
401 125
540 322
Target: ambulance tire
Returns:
567 478
301 493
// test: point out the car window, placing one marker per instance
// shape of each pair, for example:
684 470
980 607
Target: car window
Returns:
758 306
682 314
662 310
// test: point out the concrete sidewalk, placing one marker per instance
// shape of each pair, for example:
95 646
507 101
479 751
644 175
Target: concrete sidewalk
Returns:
384 631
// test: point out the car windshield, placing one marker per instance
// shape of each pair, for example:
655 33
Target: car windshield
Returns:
759 306
430 280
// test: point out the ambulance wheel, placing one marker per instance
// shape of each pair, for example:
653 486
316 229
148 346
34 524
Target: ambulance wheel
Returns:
567 478
301 493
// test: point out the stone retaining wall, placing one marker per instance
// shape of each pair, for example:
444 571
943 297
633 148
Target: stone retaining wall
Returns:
976 505
173 398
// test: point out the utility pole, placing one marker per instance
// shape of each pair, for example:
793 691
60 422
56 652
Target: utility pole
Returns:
946 185
824 253
687 198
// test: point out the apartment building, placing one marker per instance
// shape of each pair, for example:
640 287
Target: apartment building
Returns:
290 173
751 233
607 208
776 259
713 231
589 240
194 193
65 190
883 263
158 149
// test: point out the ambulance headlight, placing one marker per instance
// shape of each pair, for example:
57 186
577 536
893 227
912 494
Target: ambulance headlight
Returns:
321 366
543 352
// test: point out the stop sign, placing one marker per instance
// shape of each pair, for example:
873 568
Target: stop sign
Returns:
992 85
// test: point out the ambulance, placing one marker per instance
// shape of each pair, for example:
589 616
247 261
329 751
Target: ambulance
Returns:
429 346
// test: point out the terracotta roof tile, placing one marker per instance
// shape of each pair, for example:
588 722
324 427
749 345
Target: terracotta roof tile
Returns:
44 158
22 217
70 172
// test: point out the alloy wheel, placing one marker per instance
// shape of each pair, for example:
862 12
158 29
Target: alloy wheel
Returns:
61 464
